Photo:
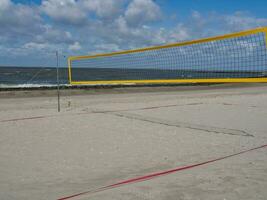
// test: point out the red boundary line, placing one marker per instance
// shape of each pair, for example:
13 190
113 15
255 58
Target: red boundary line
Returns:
154 175
26 118
80 113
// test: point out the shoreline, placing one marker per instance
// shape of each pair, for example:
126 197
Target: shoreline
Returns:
117 89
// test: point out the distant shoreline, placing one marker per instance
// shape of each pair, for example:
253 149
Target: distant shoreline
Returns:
117 89
71 87
45 77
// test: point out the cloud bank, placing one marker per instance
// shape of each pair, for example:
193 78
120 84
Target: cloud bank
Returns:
30 34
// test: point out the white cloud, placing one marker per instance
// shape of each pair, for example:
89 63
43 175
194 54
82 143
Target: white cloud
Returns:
105 26
106 48
56 36
141 11
242 20
104 8
36 46
122 26
75 46
18 19
68 11
79 11
179 33
4 4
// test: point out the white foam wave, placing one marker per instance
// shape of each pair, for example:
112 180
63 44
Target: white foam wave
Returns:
31 85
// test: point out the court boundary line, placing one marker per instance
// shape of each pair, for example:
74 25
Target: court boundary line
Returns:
156 174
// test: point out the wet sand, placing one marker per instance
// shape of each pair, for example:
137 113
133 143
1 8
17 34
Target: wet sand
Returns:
106 135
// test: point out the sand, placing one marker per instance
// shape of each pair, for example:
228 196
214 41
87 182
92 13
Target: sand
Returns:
107 135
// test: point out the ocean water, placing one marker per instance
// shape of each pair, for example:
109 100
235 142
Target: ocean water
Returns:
40 77
93 74
31 77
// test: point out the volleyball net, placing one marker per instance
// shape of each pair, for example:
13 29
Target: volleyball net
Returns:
237 57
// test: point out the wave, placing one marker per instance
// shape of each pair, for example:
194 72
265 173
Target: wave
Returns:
3 86
29 86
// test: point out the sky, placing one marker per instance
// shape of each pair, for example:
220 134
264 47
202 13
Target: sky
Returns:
31 31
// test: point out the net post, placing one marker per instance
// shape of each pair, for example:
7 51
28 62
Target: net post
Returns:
58 94
265 31
69 70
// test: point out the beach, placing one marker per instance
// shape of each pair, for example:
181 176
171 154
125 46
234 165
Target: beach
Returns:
103 136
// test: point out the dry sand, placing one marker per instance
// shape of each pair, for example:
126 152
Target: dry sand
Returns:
103 136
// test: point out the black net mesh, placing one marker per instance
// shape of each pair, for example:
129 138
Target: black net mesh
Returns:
238 57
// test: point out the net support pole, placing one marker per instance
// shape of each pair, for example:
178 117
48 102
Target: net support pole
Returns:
58 92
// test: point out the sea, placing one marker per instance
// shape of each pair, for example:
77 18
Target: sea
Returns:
31 77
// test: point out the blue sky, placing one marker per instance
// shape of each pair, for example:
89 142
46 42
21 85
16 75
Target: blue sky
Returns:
31 31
